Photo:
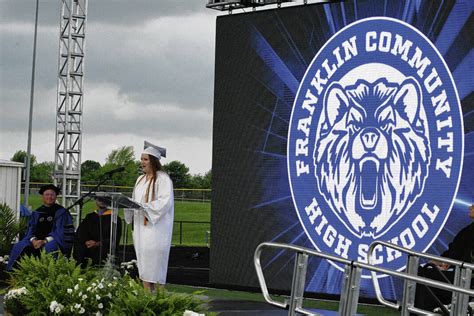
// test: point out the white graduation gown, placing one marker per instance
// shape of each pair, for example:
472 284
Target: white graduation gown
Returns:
152 241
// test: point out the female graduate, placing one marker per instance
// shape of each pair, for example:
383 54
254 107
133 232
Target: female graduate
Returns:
153 222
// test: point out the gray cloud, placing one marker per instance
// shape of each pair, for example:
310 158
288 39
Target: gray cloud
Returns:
149 71
16 56
165 61
118 12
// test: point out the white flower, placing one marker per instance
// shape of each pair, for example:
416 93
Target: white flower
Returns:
109 295
82 310
69 291
100 286
4 259
80 279
191 313
55 307
80 294
84 297
1 259
109 285
77 306
98 314
76 287
100 306
97 297
89 289
16 293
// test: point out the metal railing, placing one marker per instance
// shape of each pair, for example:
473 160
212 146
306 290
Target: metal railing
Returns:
180 194
196 195
351 280
198 233
462 279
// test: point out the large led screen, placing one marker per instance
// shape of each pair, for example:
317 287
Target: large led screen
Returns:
336 125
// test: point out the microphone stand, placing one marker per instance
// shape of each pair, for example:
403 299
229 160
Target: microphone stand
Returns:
80 201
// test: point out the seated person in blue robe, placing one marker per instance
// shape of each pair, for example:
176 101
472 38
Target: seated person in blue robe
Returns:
50 227
93 235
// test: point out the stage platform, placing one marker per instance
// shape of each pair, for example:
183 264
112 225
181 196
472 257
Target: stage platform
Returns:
239 307
253 308
190 266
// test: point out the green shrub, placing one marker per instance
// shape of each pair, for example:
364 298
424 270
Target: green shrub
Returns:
46 268
60 286
9 228
138 301
47 279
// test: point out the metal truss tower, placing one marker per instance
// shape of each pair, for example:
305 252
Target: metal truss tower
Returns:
72 44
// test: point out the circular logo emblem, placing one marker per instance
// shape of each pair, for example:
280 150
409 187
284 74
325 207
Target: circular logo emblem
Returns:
375 142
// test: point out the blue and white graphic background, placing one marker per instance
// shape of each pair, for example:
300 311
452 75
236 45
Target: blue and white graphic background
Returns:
260 60
365 151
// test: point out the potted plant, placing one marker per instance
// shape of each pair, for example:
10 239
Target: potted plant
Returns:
9 229
58 285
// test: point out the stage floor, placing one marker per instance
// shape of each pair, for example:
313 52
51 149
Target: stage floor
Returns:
252 308
239 307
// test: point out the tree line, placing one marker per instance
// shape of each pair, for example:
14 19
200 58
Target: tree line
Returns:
92 171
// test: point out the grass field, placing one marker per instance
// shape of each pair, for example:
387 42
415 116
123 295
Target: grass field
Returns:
192 234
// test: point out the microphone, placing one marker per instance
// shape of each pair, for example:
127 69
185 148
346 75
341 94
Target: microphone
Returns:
111 172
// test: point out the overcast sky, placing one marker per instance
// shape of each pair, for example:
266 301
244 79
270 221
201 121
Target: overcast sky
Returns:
149 75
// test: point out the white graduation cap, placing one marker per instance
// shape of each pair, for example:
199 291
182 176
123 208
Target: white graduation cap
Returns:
153 150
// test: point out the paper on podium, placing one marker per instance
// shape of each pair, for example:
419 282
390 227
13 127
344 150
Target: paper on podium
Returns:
121 201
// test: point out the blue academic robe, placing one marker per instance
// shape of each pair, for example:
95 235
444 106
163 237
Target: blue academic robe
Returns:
62 232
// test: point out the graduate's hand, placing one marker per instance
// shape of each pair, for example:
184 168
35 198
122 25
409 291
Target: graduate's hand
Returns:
37 244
